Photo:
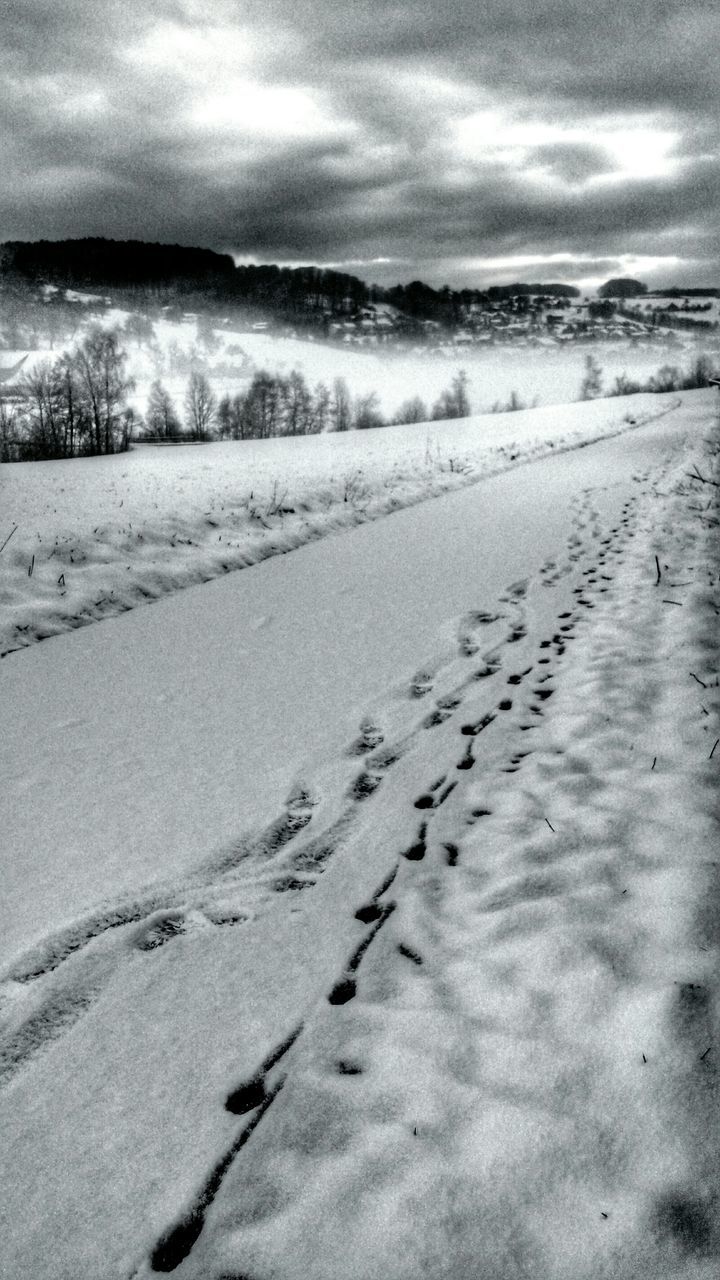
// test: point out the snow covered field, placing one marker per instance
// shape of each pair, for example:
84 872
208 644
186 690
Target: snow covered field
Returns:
89 538
361 910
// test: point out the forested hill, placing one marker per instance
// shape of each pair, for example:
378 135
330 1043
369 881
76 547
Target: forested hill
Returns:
201 277
166 272
106 263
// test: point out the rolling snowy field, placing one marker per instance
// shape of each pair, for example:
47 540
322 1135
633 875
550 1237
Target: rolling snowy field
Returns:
361 910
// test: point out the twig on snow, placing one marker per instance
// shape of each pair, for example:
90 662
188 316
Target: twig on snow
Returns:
702 682
659 575
2 548
713 750
695 475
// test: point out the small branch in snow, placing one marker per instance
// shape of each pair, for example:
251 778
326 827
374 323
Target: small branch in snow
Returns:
31 566
677 602
704 1055
659 575
550 824
702 682
712 753
695 475
652 766
2 548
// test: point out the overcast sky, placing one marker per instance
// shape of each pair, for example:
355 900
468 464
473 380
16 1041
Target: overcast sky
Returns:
454 141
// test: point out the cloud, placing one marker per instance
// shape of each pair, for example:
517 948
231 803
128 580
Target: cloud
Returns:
435 137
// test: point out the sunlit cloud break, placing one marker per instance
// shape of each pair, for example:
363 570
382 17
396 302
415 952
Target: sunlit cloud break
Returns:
403 142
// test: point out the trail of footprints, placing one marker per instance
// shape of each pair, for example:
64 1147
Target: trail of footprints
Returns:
162 916
533 683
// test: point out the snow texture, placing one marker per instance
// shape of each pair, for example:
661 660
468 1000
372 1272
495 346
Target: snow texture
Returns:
449 1010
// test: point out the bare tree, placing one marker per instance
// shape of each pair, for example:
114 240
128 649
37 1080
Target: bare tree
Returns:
42 418
413 410
140 328
321 408
297 405
200 407
367 412
8 439
99 367
261 407
454 402
591 385
340 406
161 418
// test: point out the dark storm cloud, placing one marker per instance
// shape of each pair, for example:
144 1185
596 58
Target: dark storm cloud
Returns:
435 136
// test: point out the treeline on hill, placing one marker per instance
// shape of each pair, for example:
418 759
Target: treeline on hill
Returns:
94 262
201 279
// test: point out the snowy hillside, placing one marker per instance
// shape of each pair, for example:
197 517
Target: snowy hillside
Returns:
360 908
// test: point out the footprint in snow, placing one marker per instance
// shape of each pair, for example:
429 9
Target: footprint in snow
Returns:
515 592
421 684
369 737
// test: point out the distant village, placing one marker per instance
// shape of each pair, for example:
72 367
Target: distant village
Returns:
528 321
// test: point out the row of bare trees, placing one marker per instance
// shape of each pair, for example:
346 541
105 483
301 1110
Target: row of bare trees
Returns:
274 405
73 406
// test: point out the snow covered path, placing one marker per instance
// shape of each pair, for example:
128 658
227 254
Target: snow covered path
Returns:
489 903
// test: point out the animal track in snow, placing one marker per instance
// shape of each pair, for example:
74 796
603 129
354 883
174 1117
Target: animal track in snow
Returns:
416 852
409 954
345 988
472 730
253 1091
488 669
518 633
442 712
519 676
543 694
175 1246
430 801
515 592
